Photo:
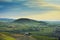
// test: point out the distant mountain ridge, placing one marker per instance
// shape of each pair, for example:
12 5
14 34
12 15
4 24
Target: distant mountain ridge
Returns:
6 20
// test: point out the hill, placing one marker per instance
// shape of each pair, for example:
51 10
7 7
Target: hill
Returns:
36 28
24 20
31 21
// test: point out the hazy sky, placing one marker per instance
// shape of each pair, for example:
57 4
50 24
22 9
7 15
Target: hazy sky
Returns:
34 9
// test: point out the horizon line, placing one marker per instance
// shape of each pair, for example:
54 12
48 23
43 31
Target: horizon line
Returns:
33 19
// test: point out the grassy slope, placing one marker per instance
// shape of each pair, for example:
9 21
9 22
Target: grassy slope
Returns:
5 37
19 26
45 38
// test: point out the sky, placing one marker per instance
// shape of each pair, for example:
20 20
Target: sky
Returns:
33 9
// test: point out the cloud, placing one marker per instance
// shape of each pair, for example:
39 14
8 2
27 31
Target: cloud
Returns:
48 15
52 6
53 1
28 5
36 4
16 15
11 0
51 15
41 4
30 9
21 6
6 0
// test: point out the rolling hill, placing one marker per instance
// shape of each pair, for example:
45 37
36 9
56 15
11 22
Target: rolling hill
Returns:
29 21
36 28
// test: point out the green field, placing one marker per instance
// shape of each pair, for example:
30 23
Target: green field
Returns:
40 30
